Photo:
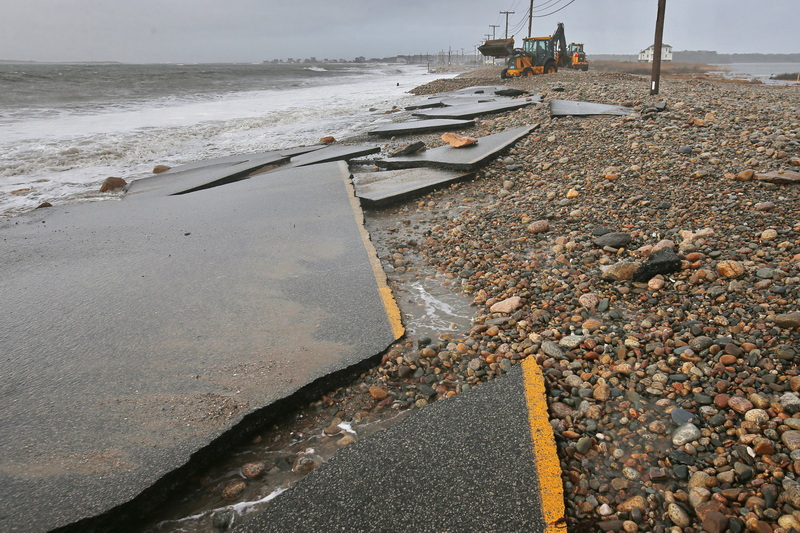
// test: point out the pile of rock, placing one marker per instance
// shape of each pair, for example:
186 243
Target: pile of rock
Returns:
659 293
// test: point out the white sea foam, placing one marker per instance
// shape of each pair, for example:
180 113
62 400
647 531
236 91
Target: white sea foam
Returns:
57 154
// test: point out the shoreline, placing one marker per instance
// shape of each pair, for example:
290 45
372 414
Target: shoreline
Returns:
628 365
656 389
650 383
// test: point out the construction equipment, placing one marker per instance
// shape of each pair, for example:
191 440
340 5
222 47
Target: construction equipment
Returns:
579 61
497 47
538 55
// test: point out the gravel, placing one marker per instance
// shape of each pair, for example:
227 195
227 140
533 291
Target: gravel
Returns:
678 391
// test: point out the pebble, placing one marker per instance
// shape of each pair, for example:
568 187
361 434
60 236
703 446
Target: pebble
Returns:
686 433
678 516
616 239
707 348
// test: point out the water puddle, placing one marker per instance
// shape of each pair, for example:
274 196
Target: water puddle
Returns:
432 309
257 472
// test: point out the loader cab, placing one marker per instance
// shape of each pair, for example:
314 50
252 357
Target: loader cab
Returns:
578 56
535 57
575 48
537 46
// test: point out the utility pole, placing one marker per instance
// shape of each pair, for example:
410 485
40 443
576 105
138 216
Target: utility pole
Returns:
506 13
530 20
493 26
655 78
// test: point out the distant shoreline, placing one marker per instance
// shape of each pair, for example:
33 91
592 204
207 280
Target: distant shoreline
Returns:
680 56
706 57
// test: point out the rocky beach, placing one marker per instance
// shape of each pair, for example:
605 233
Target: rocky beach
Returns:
674 398
650 263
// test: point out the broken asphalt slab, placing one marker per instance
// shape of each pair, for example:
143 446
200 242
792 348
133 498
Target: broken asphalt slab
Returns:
473 110
208 173
444 101
496 90
420 126
467 158
242 158
560 108
380 188
198 177
337 152
426 474
138 336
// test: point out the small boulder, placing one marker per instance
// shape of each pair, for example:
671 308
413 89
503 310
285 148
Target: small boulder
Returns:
457 141
327 140
233 489
409 149
112 184
620 271
663 261
43 205
730 269
378 393
780 177
158 169
788 320
509 305
614 239
539 226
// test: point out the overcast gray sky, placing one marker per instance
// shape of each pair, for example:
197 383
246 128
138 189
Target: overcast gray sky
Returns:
257 30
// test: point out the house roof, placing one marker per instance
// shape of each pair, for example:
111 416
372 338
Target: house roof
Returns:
652 46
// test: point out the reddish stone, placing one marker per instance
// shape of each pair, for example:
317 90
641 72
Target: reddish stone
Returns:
251 470
739 404
233 489
715 522
457 141
112 184
378 393
721 400
763 446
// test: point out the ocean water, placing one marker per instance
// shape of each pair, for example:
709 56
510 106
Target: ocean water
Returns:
64 128
759 71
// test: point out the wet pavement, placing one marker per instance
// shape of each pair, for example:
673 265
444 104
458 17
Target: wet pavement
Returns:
467 158
140 332
462 464
380 188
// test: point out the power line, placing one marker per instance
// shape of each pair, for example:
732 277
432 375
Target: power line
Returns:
554 12
545 5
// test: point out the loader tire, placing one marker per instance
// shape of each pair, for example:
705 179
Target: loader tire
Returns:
550 67
504 74
527 71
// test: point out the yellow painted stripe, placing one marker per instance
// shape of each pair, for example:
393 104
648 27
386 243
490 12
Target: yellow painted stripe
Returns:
389 303
544 448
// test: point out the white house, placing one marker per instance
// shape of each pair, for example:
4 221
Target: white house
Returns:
646 55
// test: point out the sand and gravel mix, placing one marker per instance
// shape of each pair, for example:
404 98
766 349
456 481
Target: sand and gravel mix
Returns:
673 398
673 387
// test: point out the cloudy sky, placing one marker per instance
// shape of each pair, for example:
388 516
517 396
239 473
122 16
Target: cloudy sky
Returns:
257 30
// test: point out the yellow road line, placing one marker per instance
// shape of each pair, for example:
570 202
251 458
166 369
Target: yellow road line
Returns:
389 303
544 448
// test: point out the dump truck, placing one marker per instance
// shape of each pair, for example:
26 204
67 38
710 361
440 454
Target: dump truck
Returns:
579 61
538 55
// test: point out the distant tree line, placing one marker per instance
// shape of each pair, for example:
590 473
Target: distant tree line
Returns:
708 57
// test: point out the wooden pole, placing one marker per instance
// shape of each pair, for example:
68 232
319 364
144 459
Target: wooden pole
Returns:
506 13
656 76
530 20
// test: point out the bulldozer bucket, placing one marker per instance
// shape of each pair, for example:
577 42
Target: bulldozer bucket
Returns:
497 47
